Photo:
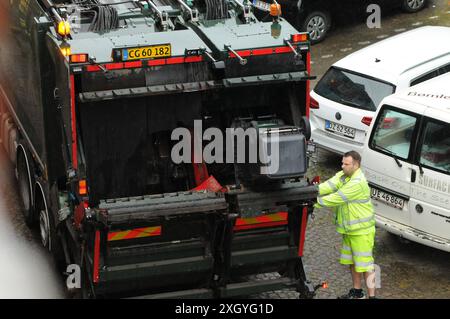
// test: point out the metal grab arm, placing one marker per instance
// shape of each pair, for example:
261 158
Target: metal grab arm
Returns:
163 15
194 13
245 8
242 61
296 53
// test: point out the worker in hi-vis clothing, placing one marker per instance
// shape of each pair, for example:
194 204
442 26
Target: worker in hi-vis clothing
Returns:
348 195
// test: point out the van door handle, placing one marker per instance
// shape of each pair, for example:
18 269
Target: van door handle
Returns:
413 175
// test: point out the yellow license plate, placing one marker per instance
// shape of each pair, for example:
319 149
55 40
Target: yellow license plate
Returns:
154 51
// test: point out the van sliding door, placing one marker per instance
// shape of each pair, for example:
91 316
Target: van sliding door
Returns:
430 193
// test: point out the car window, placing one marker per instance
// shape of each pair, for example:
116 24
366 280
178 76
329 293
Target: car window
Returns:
353 89
435 152
442 70
393 132
425 77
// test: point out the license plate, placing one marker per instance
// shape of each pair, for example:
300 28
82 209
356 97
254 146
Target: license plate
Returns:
387 198
154 51
261 5
340 129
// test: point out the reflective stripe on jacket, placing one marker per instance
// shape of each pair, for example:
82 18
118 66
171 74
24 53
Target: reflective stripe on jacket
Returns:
349 198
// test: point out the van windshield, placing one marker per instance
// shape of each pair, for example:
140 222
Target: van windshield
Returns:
353 89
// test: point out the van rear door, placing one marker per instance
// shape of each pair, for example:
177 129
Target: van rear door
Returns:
430 197
387 162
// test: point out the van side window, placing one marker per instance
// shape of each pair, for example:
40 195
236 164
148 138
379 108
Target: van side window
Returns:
442 70
435 152
425 77
393 133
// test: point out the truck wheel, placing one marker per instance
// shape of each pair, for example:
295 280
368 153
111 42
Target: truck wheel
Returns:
47 229
7 129
13 145
413 5
3 121
25 191
317 24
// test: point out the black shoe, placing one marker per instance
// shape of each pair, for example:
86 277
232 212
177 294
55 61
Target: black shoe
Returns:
372 297
353 294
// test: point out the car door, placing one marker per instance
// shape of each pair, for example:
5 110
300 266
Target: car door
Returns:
429 205
387 162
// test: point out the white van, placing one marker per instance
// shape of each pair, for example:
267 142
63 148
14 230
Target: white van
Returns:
345 99
406 160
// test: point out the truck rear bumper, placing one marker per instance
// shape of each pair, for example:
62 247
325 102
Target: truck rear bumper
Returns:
197 248
197 274
231 290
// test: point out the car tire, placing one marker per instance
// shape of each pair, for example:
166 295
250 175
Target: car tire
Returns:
412 6
317 24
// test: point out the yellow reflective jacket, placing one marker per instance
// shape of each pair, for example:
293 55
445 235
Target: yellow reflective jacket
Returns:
349 198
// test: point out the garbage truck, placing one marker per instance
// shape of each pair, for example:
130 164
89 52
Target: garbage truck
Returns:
96 97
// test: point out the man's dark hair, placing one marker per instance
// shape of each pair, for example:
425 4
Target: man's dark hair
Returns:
355 155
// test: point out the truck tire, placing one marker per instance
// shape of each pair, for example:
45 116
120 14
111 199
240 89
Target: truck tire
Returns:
47 228
7 128
317 24
412 6
12 142
4 118
25 182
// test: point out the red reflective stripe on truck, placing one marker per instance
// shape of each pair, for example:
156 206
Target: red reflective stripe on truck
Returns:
264 221
74 122
131 65
140 64
193 59
114 66
265 51
301 243
308 70
157 62
242 53
96 265
178 60
93 68
283 50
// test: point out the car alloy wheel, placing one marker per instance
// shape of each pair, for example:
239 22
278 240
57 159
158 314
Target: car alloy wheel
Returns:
413 5
316 27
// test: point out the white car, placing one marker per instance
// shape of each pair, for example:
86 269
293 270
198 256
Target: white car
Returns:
344 101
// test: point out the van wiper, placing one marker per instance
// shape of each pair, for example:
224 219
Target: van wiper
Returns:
350 103
390 152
